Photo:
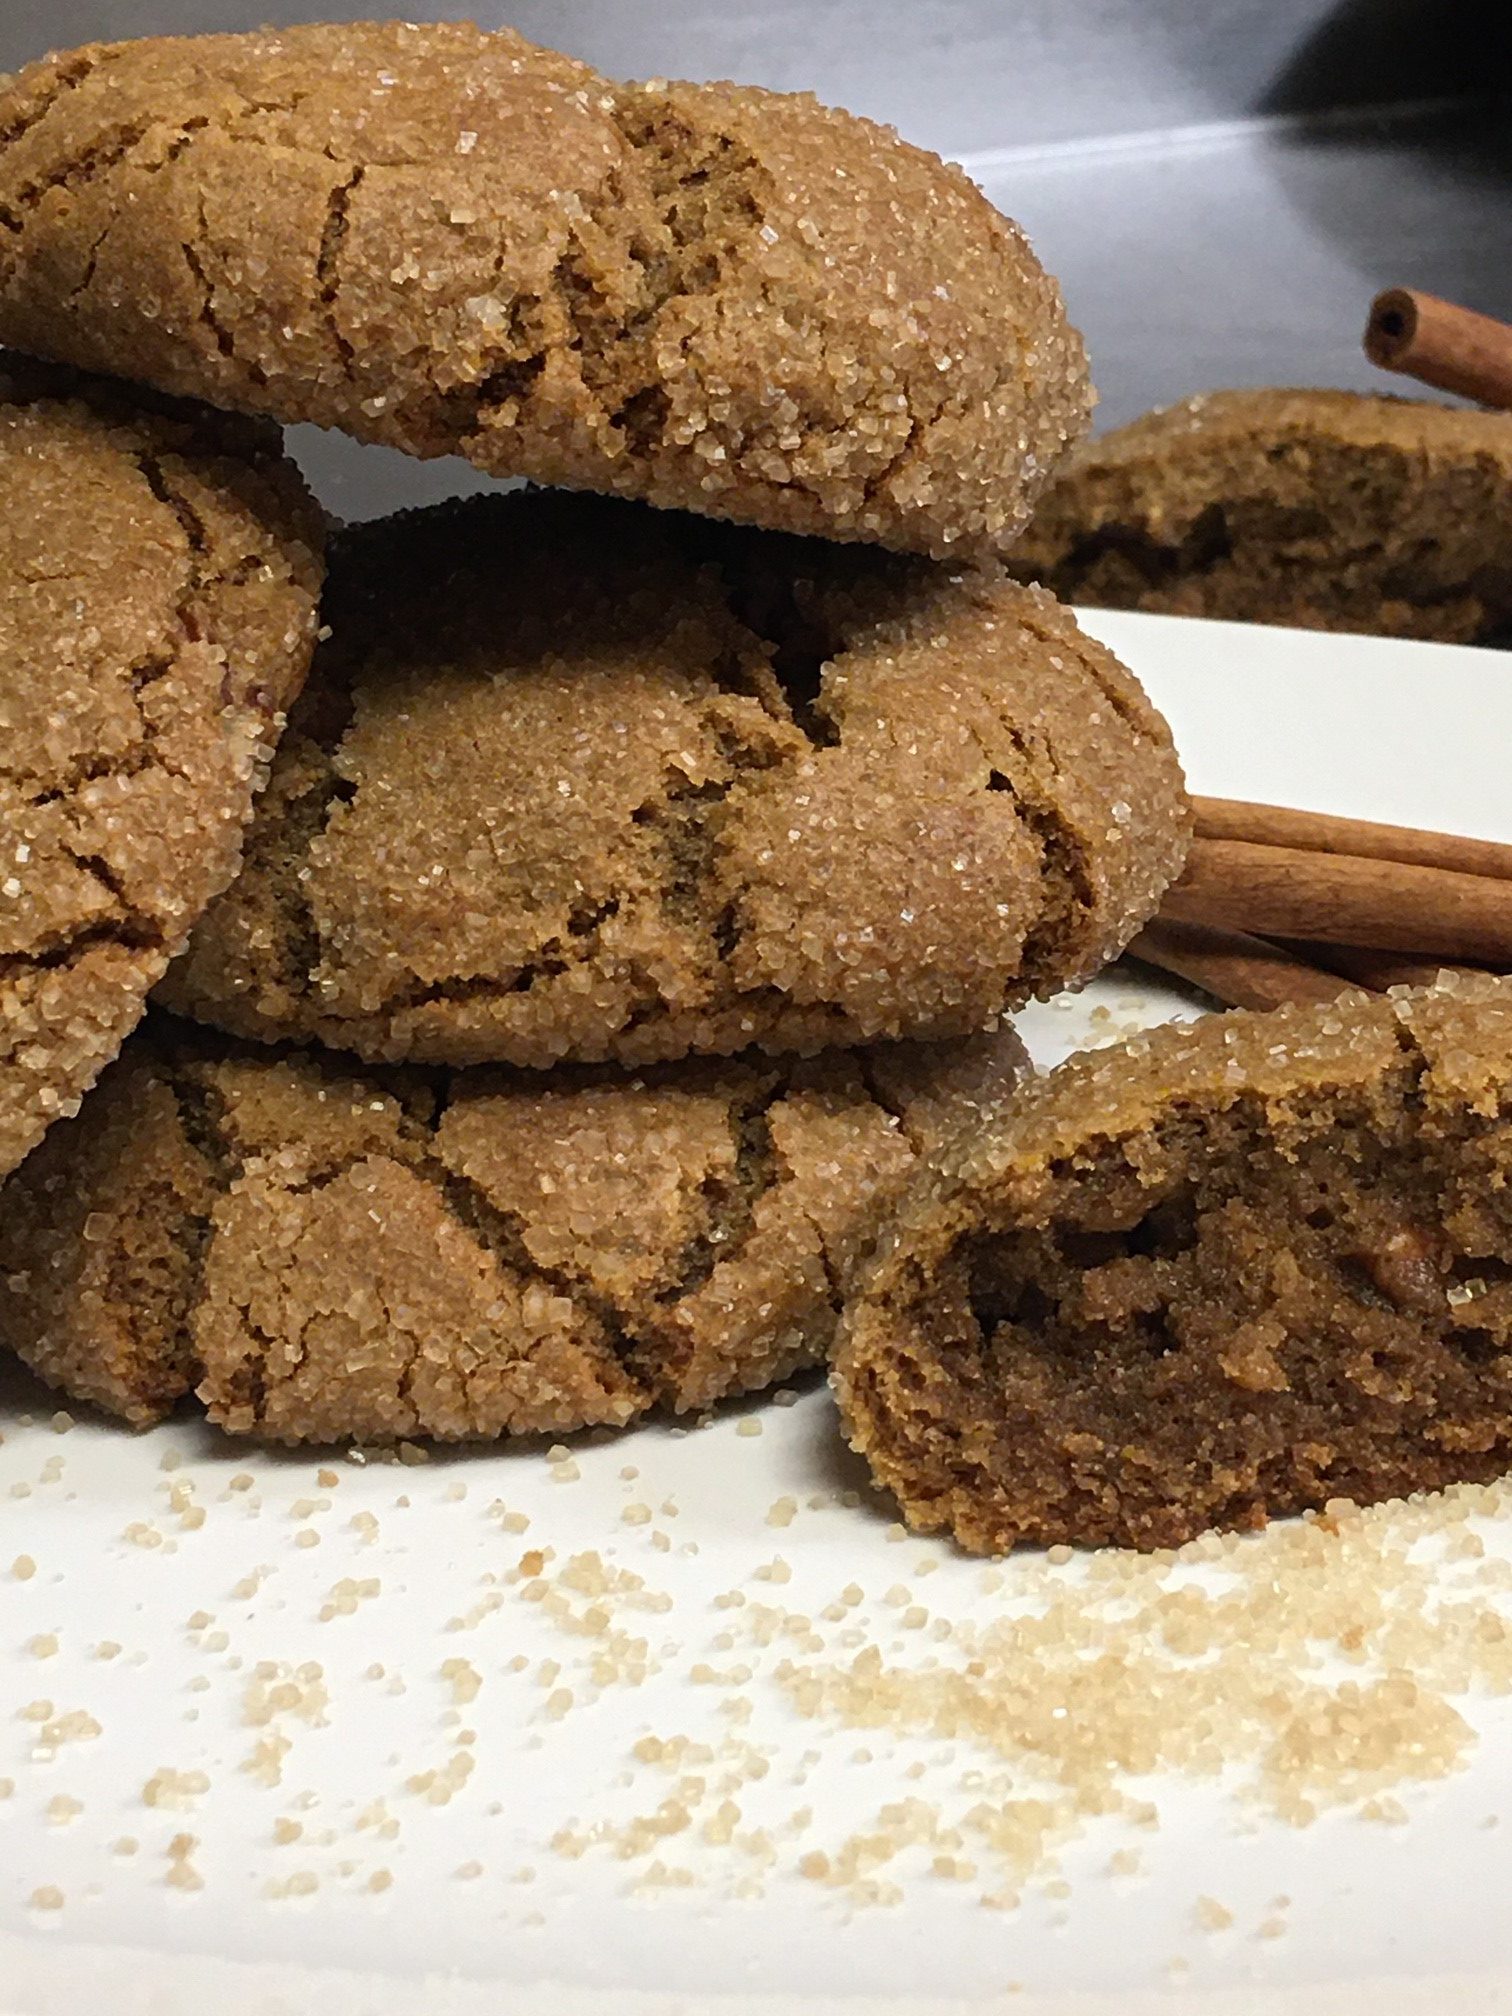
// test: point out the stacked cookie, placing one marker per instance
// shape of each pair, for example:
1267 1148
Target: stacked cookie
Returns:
637 893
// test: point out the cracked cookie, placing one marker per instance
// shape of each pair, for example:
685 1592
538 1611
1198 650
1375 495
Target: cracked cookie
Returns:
451 241
1235 1268
1324 510
574 779
330 1254
158 582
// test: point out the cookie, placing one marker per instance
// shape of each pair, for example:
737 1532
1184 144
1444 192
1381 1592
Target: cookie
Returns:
333 1255
1325 510
158 582
574 779
1235 1268
454 242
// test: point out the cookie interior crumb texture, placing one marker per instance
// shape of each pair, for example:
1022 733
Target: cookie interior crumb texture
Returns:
158 581
447 240
575 779
332 1255
1236 1268
1324 510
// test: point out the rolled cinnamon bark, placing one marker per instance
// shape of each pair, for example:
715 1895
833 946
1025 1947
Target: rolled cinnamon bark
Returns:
1378 971
1239 970
1441 344
1285 892
1324 833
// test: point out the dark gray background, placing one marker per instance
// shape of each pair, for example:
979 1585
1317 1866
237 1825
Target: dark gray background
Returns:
1220 184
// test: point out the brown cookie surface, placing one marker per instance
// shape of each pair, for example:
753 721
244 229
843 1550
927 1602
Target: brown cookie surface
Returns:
1324 510
455 242
328 1254
158 583
1234 1269
578 780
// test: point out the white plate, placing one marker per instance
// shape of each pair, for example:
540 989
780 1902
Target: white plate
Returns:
1384 1918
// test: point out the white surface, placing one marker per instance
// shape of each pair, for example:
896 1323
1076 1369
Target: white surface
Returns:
1384 1920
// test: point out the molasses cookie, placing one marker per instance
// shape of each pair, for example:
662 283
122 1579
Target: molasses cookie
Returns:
1234 1268
158 581
1326 510
574 779
455 242
329 1254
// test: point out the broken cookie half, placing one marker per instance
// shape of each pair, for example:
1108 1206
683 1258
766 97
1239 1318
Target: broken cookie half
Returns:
1231 1269
329 1254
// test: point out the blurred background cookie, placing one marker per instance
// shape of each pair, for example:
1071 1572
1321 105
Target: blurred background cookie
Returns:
1324 510
158 582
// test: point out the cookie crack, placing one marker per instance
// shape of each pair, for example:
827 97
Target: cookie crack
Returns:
502 1233
1065 879
127 933
799 646
733 1206
103 153
899 1110
327 261
222 337
69 76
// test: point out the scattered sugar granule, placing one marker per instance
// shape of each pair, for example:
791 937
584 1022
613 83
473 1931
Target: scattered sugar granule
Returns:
61 1422
23 1568
264 1762
62 1808
48 1897
464 1680
1212 1916
176 1790
748 1425
76 1725
303 1883
43 1646
182 1874
781 1511
278 1689
344 1596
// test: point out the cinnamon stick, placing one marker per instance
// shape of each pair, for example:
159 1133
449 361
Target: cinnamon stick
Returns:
1324 833
1441 344
1236 969
1285 892
1367 966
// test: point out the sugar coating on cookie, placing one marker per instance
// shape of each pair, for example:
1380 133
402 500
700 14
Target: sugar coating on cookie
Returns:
574 779
452 241
1235 1268
329 1254
1324 510
158 583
